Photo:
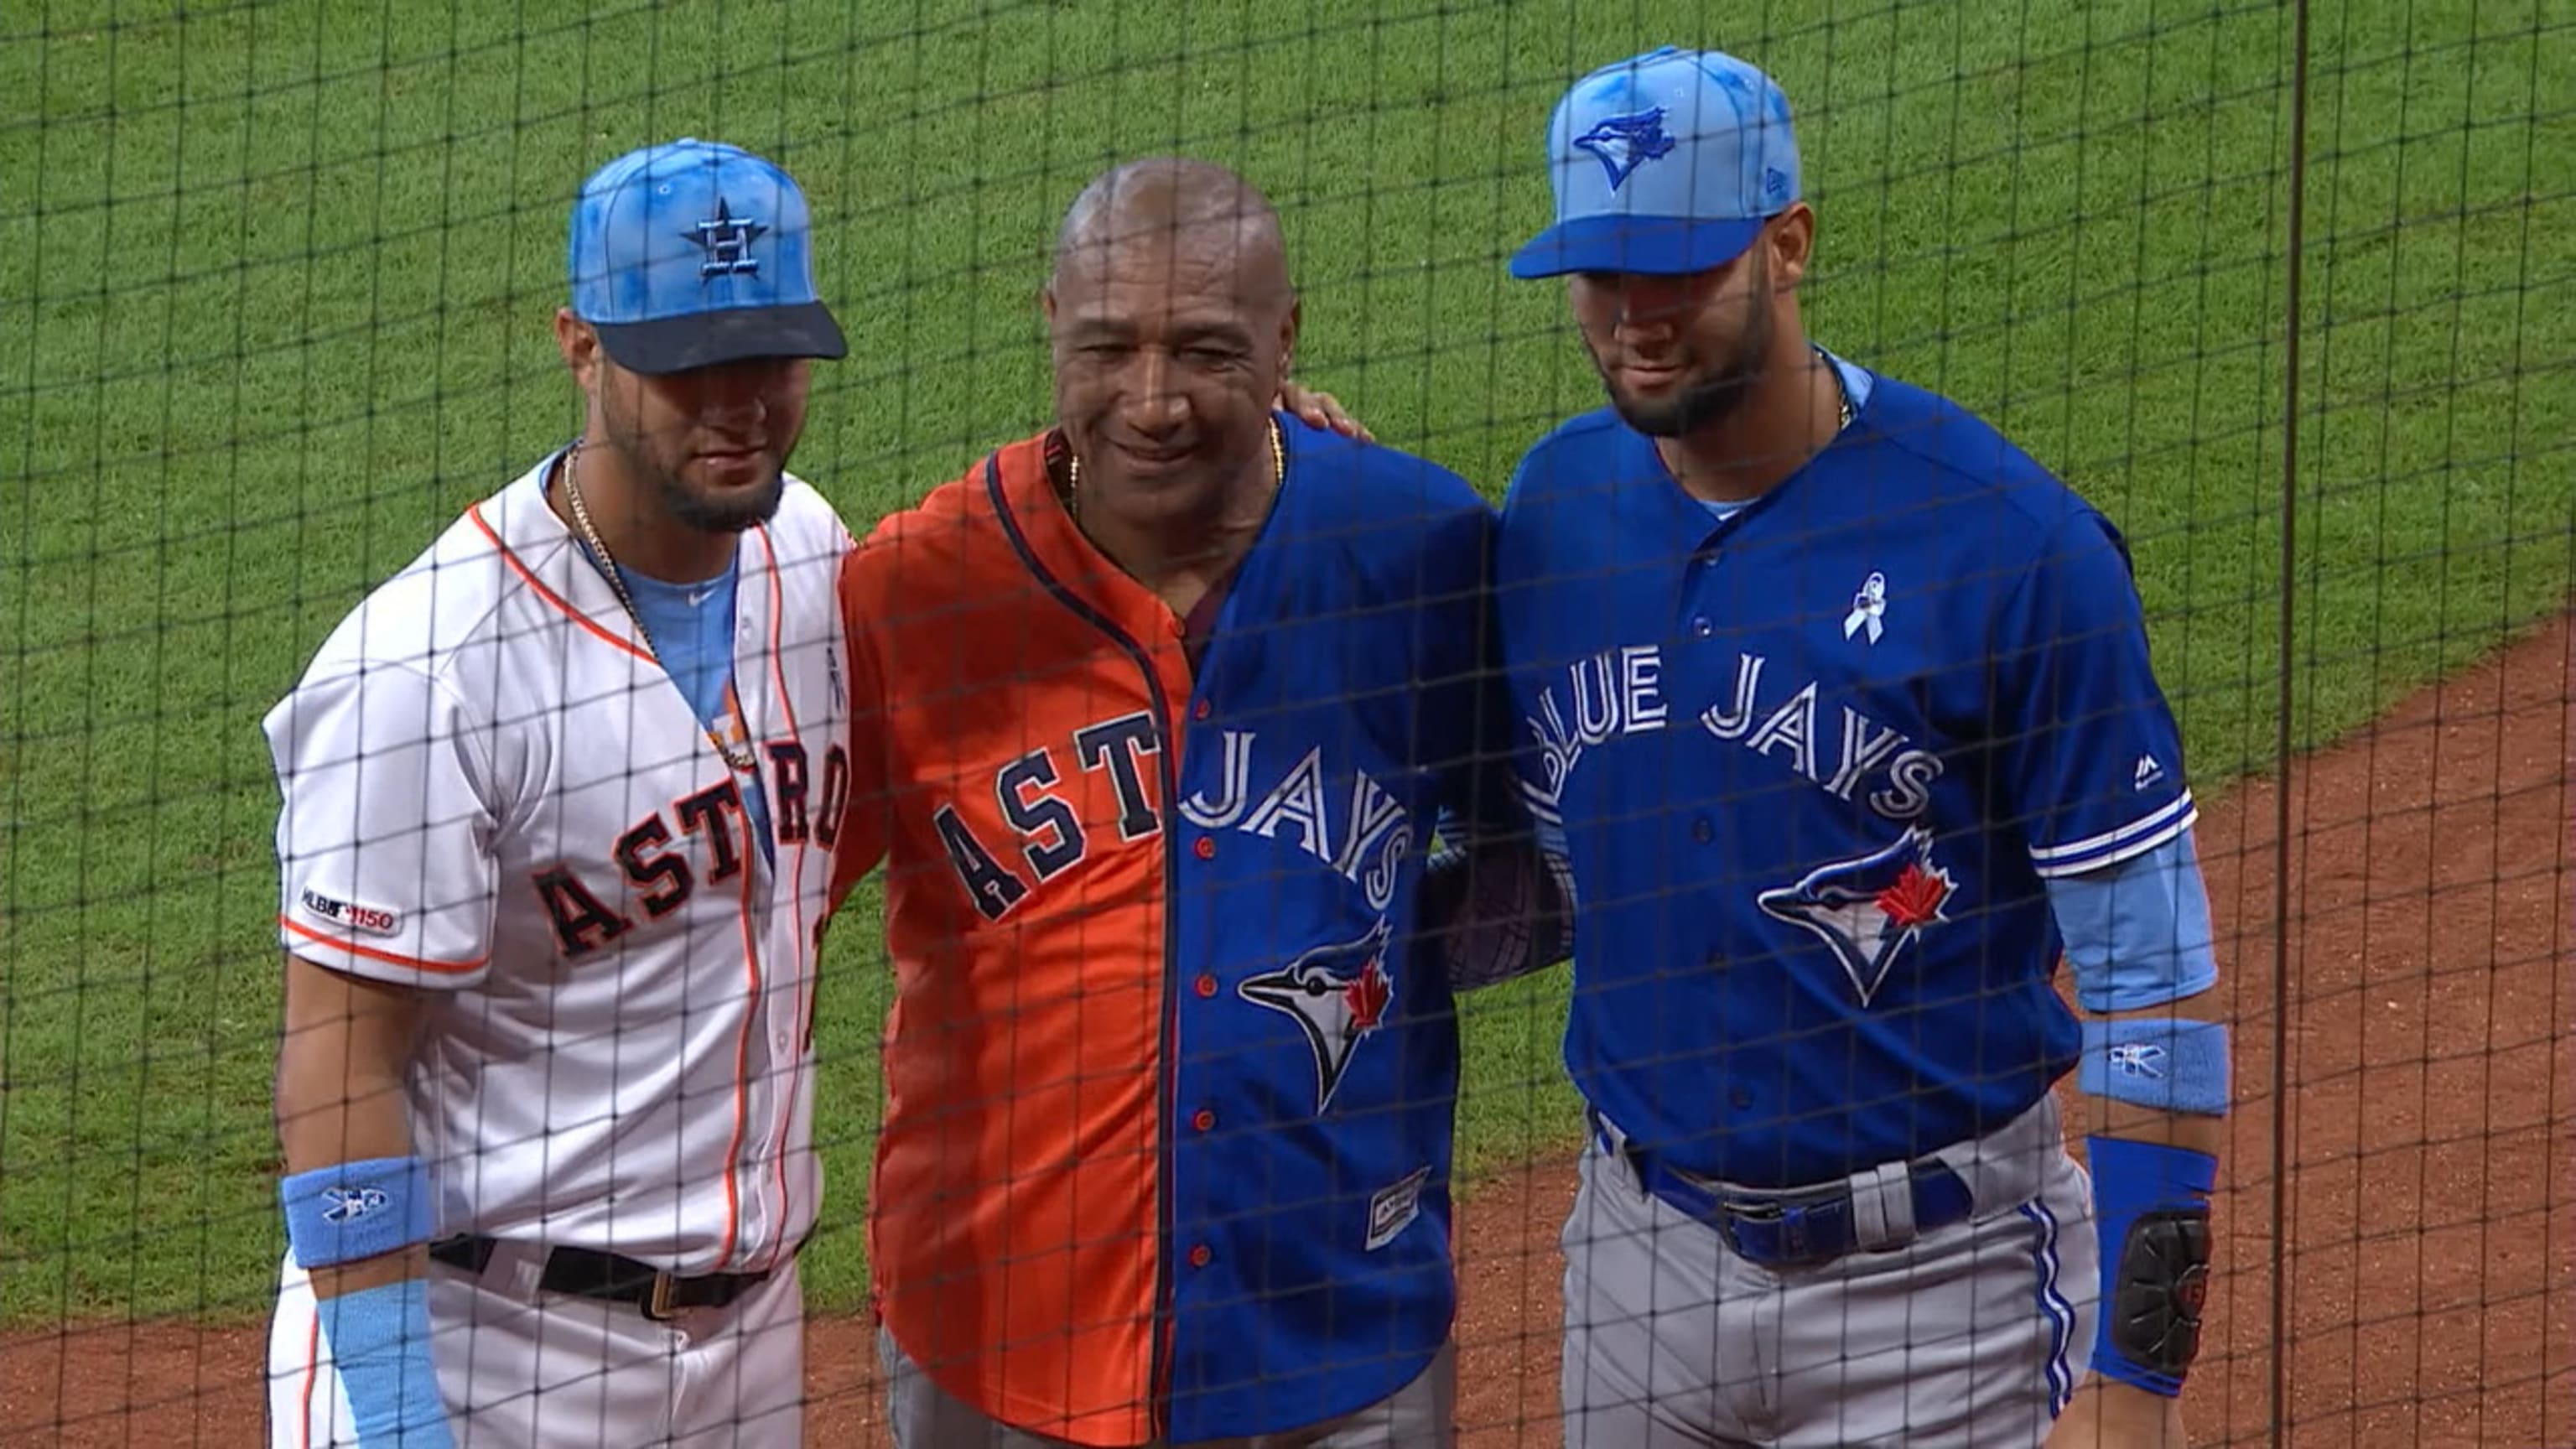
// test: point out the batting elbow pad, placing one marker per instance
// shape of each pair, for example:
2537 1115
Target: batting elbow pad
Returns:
2151 1214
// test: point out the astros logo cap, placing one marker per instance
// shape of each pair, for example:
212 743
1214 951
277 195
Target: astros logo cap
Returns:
693 253
1665 163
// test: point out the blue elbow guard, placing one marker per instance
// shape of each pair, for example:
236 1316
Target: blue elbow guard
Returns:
2167 1063
379 1343
354 1210
2151 1216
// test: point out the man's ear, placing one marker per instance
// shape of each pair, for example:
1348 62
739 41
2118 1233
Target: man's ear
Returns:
1288 325
1046 303
579 346
1792 239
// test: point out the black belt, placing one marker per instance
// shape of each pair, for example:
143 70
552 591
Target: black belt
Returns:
589 1273
1801 1228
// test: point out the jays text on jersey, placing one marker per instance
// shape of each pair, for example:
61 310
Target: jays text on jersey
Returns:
1170 1073
1812 766
493 792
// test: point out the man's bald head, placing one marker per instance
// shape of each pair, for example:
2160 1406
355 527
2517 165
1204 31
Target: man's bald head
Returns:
1172 323
1179 208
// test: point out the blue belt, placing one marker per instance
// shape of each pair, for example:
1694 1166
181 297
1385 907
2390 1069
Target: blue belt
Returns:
1798 1228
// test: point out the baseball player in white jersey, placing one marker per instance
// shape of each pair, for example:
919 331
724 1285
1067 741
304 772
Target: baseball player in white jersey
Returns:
558 807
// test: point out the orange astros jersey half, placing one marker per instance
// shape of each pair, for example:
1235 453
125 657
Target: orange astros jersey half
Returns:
1170 1069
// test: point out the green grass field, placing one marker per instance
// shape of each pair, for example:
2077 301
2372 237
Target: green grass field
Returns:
275 281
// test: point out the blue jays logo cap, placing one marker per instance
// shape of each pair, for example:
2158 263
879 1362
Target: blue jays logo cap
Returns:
1666 163
693 253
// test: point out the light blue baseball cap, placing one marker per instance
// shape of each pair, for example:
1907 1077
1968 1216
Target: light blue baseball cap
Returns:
693 253
1665 163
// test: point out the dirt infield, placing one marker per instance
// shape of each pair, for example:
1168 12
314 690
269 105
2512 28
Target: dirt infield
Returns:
2431 1260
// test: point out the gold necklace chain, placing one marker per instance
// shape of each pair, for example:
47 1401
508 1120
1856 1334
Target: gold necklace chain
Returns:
1073 470
737 756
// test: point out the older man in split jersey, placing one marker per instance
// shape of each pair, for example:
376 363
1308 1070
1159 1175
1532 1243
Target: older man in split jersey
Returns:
1169 700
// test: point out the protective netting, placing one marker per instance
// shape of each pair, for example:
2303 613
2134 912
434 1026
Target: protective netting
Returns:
2284 291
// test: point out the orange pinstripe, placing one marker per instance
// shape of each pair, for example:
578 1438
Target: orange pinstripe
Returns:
529 577
370 953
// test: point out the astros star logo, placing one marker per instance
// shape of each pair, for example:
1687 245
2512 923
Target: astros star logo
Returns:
1338 996
727 241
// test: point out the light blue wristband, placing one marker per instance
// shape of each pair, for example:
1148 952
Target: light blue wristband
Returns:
353 1210
379 1343
2168 1063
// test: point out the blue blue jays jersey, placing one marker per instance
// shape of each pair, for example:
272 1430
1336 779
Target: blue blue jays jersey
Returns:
1811 765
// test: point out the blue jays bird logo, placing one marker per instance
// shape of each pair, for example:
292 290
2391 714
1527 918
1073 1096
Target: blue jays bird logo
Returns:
1624 143
1337 995
1868 909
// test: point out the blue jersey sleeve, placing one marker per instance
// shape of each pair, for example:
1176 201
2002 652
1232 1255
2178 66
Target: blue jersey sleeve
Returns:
2091 762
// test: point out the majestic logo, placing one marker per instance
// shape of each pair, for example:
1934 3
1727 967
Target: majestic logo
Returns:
2147 773
1623 143
1868 909
349 913
1337 994
348 1204
727 239
1869 608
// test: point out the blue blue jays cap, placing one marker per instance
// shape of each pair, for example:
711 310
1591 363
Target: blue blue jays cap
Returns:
693 253
1665 163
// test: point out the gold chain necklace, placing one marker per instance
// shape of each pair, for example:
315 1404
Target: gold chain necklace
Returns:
737 756
1073 470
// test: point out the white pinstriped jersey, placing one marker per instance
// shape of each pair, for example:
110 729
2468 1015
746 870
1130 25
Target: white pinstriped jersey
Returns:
493 792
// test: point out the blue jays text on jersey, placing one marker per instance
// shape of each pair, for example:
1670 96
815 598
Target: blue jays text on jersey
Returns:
1810 767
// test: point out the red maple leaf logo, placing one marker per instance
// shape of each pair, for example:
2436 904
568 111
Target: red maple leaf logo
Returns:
1367 998
1915 897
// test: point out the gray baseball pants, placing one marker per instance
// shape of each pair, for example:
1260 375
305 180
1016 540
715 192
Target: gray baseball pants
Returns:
1421 1415
1971 1336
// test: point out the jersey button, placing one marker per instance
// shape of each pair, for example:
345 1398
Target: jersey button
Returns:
1201 711
1206 848
1699 625
1203 1119
1740 1097
1205 985
1701 830
1200 1255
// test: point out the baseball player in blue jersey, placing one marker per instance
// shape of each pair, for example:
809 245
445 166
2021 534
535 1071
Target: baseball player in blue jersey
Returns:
1840 709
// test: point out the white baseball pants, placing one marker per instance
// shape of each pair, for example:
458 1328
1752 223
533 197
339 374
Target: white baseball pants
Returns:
545 1371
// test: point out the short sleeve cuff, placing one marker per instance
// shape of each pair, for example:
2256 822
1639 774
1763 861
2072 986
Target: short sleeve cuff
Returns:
338 949
2114 846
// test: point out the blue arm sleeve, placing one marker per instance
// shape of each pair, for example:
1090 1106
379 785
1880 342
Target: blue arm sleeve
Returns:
379 1341
2137 933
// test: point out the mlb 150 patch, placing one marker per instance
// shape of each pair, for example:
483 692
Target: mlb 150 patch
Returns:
348 913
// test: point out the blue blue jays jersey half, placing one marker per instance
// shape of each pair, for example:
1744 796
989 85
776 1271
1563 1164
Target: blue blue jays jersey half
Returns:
1812 766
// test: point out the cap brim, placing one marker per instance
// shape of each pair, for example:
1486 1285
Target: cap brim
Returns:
1647 245
733 334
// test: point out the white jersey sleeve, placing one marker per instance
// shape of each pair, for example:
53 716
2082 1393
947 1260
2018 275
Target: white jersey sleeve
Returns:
386 841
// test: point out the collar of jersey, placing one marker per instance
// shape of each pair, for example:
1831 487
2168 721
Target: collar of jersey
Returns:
1065 552
1855 379
543 552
